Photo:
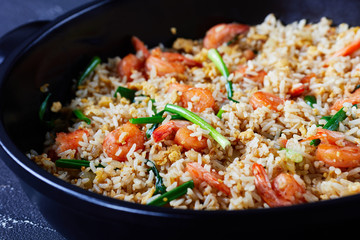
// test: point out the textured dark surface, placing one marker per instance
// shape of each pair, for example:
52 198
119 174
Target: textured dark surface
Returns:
19 218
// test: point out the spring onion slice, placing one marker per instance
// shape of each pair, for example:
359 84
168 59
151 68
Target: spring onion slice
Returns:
73 163
333 123
192 117
94 62
159 185
43 107
146 120
126 93
293 155
172 194
310 100
80 115
215 57
219 114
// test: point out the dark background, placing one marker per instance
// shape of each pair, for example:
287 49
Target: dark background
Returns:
19 218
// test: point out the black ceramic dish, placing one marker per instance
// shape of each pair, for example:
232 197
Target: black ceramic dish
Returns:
60 50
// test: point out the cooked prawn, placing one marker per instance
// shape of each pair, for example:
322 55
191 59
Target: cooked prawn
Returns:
130 62
264 99
283 191
128 65
335 150
166 62
303 86
353 99
221 33
200 174
66 141
119 142
346 51
178 131
200 99
256 78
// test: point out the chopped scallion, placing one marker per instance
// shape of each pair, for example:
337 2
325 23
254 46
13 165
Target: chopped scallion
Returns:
94 62
293 155
43 107
80 115
172 194
192 117
333 123
310 100
219 114
159 185
215 57
126 93
73 163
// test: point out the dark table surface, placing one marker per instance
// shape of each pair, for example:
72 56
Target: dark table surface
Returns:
19 218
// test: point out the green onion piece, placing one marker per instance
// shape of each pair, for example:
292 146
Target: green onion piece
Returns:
327 118
310 100
73 163
215 57
126 93
219 114
145 120
94 62
315 142
150 131
172 194
153 119
333 123
192 117
153 107
43 107
293 155
80 115
159 185
356 88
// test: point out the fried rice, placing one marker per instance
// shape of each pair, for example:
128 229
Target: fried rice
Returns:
258 135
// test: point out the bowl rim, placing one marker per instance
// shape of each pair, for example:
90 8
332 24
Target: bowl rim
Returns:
33 170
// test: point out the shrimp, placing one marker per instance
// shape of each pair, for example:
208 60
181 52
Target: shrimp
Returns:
200 174
66 141
264 99
283 191
178 131
259 78
166 62
128 65
200 99
346 51
119 142
221 33
344 155
131 63
140 46
353 99
303 86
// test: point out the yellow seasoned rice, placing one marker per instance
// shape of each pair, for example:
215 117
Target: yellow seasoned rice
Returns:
287 53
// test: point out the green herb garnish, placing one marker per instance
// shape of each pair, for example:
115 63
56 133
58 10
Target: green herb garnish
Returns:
192 117
73 163
215 57
172 194
126 93
219 114
43 107
80 115
293 155
159 185
94 62
310 100
333 123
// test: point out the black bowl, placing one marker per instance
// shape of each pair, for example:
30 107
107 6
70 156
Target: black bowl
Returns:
60 51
